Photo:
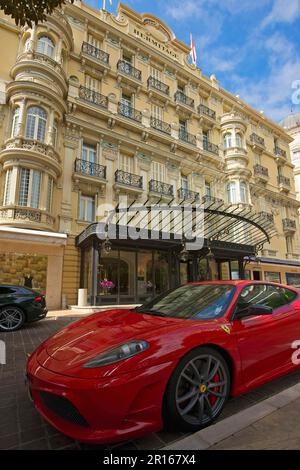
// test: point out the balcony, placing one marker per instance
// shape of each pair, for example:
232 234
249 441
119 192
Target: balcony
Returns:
129 112
267 216
93 97
206 112
94 55
284 183
261 173
211 200
160 125
257 141
279 152
210 147
129 73
187 194
163 189
89 169
31 150
184 136
183 99
131 181
26 217
158 87
289 225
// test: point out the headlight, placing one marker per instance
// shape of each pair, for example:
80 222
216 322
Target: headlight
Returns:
119 353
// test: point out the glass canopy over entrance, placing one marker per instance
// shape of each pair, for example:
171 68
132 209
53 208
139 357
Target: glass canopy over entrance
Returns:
124 270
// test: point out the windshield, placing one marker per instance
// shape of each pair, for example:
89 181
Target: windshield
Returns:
192 301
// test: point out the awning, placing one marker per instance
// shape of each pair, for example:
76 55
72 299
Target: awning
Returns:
36 236
213 221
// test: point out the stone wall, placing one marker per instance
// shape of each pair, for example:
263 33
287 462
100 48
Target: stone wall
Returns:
14 266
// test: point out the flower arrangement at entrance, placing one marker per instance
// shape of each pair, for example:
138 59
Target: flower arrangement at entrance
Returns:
106 285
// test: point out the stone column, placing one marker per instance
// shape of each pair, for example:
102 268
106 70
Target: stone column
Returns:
21 129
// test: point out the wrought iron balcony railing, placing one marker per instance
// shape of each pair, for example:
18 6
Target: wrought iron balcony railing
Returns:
180 97
158 85
123 177
210 147
184 193
261 170
278 151
206 111
289 224
160 125
186 137
128 69
284 180
95 53
87 168
266 215
161 188
129 112
212 199
93 97
256 139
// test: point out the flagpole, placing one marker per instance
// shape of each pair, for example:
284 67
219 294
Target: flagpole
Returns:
104 5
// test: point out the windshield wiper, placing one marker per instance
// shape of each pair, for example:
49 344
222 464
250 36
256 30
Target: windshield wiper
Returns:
150 312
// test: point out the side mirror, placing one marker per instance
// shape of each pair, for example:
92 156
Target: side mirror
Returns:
253 310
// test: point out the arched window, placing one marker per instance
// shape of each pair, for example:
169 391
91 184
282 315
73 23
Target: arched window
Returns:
243 192
238 140
227 140
36 123
15 122
231 192
45 46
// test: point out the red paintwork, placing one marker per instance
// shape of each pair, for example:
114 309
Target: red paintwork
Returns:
124 400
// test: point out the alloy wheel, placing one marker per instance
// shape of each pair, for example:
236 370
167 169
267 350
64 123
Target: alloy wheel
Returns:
11 318
201 390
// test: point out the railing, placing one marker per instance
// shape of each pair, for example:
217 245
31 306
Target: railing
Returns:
180 97
161 188
90 169
212 199
160 125
93 97
128 69
123 177
284 180
261 170
94 52
158 85
210 147
129 112
289 224
206 111
278 151
266 215
186 137
256 139
184 193
26 214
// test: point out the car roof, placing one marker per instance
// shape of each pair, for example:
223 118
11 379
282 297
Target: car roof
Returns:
243 282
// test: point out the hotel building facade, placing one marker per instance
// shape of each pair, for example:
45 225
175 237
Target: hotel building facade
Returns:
95 107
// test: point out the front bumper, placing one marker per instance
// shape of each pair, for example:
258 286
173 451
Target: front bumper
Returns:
101 410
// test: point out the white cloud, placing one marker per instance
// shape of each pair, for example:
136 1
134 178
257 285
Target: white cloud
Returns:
283 11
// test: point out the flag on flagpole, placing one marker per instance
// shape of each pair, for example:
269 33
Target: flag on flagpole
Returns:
193 53
104 4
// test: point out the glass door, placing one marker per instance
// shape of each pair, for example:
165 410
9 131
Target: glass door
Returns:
108 278
145 284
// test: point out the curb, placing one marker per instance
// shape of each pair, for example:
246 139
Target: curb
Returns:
225 428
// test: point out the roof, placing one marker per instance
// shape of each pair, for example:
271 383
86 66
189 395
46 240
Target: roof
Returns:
291 121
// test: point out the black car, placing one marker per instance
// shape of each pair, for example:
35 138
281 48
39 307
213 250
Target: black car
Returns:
19 305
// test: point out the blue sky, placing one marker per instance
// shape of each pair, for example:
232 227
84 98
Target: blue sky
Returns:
252 46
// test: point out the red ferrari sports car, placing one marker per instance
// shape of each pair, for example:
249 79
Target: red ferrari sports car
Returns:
173 362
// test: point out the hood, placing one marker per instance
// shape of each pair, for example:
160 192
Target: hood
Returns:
85 339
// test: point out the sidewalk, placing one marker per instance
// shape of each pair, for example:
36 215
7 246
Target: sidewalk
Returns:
271 424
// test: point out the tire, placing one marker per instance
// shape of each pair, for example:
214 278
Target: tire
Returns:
11 318
191 400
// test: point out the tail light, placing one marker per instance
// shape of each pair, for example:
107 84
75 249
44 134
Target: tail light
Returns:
38 299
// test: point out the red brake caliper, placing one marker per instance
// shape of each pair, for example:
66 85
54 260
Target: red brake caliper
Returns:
213 398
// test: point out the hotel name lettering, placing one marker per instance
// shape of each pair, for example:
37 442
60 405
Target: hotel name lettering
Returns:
154 42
